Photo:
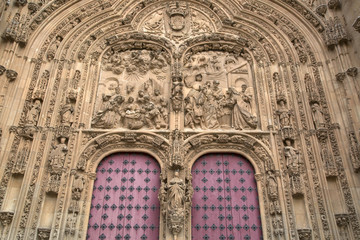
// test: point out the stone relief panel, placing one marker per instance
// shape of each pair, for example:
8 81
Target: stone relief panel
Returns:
219 92
133 90
177 21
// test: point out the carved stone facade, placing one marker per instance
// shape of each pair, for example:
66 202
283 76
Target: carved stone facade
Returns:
274 81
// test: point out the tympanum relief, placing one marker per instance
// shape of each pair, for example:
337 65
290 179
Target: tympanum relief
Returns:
219 92
133 90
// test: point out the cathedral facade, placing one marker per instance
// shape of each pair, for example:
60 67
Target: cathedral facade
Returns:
162 119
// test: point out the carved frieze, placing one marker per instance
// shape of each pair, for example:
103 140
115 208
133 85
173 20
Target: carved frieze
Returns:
11 75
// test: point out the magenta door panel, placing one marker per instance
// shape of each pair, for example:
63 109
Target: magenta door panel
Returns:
225 203
125 201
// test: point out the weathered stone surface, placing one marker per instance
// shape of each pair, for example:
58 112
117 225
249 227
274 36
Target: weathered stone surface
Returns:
178 79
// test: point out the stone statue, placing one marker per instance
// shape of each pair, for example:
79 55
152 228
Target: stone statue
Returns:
67 113
52 50
32 116
226 108
176 192
78 187
292 156
57 155
283 113
318 116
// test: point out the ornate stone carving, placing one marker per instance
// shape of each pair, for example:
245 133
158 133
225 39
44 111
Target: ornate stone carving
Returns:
352 72
304 234
57 156
207 105
334 4
177 153
40 90
335 32
321 10
318 116
2 70
6 218
21 2
11 75
32 116
294 166
340 76
300 50
133 106
52 49
12 28
354 151
22 156
78 187
356 24
44 233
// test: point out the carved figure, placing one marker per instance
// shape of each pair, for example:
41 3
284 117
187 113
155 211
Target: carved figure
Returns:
176 192
283 113
32 116
57 156
67 113
52 50
242 116
131 115
226 108
318 116
292 158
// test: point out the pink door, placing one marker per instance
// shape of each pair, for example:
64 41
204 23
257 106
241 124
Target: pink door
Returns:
225 203
125 201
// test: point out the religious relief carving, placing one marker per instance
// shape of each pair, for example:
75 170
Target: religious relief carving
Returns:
294 166
133 94
219 92
283 113
300 50
325 151
67 110
318 116
50 55
11 75
57 156
174 203
32 116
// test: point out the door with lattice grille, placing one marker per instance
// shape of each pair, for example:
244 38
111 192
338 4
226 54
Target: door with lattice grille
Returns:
225 203
125 201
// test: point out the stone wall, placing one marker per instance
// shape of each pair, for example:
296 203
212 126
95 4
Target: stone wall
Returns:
274 81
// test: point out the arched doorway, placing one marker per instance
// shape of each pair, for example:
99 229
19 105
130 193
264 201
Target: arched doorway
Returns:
125 201
225 202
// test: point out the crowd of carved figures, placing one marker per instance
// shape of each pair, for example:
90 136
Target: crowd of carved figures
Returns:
140 102
219 93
